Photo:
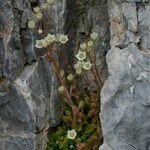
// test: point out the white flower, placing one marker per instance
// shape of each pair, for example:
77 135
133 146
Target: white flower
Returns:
40 31
94 35
87 65
50 38
83 46
71 134
81 55
70 77
71 146
39 16
31 24
78 65
44 6
37 9
39 44
78 71
63 38
62 72
90 43
50 2
61 89
45 43
88 49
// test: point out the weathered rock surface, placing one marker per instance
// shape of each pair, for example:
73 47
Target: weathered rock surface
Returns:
125 97
29 103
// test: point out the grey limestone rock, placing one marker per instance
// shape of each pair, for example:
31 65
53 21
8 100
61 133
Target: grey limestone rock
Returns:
125 97
29 102
31 105
125 100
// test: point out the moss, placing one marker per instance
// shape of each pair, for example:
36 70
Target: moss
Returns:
88 130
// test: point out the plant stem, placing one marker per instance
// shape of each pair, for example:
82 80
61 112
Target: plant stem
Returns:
63 84
94 74
97 68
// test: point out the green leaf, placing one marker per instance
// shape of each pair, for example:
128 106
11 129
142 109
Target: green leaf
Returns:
68 113
66 119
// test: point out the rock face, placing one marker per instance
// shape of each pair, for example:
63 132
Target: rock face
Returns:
125 97
29 102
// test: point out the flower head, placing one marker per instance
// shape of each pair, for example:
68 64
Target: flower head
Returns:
50 2
63 38
44 6
81 55
83 46
71 146
70 77
40 31
94 36
37 9
90 43
39 44
88 49
79 64
87 65
71 134
31 24
78 71
39 16
45 42
61 89
62 72
50 38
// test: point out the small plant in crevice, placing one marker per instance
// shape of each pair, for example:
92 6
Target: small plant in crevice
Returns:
80 124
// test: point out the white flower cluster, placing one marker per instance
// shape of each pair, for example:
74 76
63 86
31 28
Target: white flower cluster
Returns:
38 12
50 39
82 54
31 24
